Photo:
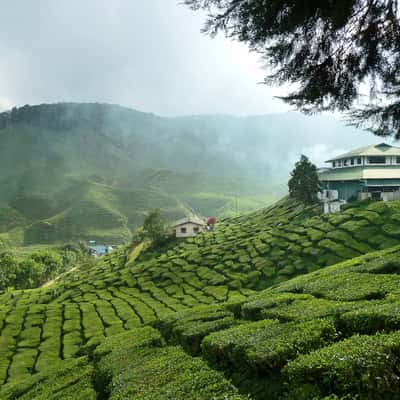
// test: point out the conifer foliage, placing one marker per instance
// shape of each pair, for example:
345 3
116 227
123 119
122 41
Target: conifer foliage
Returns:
304 184
329 49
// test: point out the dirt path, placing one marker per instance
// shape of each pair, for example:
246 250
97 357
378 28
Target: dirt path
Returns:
49 283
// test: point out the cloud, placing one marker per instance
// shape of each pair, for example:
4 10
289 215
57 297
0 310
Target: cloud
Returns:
5 104
149 55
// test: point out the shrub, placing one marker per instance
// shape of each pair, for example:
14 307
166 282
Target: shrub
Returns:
139 337
266 345
164 373
253 308
370 319
361 366
288 307
344 286
67 380
189 328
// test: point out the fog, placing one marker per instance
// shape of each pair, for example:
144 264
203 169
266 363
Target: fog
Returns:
148 55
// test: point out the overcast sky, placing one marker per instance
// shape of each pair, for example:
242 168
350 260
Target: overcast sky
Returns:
145 54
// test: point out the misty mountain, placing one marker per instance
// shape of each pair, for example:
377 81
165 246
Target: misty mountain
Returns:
58 159
116 142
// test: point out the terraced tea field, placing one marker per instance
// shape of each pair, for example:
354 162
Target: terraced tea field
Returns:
334 331
200 297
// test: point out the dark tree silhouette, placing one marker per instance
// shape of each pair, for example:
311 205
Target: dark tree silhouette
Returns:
304 184
331 50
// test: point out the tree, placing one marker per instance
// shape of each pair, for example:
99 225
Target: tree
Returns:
330 50
8 270
304 184
155 228
30 274
51 261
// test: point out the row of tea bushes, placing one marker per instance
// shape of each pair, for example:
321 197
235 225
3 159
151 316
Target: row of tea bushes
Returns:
258 333
188 328
266 345
66 380
364 367
136 365
251 252
301 339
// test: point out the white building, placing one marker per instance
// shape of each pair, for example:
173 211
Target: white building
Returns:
189 227
369 172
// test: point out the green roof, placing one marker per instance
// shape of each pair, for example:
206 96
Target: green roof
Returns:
374 150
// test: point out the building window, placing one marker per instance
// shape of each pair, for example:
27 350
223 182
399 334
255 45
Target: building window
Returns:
333 164
359 160
345 163
352 161
377 160
339 163
196 229
397 160
183 230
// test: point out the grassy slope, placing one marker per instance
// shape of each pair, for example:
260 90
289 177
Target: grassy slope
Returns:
95 211
291 332
85 210
102 213
225 205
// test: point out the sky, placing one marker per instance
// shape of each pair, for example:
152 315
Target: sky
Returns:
146 54
149 55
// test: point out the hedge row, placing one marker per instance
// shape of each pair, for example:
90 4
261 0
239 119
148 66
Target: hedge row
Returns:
364 367
266 345
67 380
188 328
151 373
252 252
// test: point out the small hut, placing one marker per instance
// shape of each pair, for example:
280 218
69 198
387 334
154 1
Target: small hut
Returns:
189 227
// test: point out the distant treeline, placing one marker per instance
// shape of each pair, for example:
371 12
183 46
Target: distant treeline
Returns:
39 267
64 116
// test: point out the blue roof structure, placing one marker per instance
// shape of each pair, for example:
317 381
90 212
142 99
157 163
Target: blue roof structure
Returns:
99 249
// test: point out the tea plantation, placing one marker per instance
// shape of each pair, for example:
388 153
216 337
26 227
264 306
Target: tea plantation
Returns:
283 303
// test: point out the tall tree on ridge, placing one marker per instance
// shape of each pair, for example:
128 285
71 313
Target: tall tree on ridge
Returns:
304 184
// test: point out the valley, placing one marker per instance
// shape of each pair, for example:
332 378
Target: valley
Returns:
91 171
200 200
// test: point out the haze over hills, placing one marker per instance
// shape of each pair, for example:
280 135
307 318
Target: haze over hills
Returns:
78 170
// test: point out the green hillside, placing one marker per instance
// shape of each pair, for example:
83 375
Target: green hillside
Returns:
95 211
226 315
112 164
92 211
73 171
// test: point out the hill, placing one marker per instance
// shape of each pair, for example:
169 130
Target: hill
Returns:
195 315
61 161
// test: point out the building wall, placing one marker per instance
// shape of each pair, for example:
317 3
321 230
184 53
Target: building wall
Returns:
382 182
346 189
382 172
332 207
354 173
189 230
390 196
